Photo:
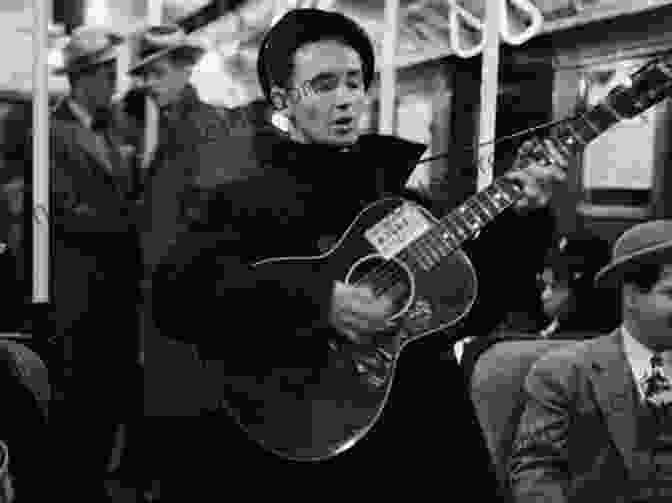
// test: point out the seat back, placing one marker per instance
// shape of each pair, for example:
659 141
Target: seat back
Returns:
497 390
29 368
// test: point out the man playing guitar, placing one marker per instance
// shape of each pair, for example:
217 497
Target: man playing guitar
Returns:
316 68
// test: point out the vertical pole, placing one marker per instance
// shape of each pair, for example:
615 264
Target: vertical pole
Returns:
154 17
388 68
489 88
41 14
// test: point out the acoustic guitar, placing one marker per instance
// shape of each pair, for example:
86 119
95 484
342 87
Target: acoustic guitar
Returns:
398 248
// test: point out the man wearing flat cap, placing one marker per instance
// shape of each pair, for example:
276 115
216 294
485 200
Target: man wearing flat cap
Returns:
316 68
95 266
598 422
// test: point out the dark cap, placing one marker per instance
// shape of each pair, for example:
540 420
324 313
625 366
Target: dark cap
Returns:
302 26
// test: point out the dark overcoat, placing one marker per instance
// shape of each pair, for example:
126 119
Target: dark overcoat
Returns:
306 196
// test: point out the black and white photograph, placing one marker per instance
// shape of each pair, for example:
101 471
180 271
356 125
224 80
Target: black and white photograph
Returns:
352 249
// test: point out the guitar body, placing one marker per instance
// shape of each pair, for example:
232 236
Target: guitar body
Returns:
319 410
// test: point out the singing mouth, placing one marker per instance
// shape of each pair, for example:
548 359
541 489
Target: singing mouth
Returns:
343 122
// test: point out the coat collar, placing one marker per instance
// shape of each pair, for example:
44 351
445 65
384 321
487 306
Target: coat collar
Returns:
81 135
369 148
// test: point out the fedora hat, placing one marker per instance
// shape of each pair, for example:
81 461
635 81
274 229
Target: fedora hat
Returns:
89 46
160 40
650 242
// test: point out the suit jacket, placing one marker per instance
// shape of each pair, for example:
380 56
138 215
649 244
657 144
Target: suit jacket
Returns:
577 440
96 255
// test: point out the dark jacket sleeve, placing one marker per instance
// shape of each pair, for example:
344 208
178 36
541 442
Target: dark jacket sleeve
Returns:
211 275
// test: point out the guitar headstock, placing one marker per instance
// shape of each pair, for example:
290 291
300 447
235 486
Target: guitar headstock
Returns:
649 85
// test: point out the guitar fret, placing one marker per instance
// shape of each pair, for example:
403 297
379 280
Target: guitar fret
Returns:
448 236
417 257
462 226
410 253
422 256
482 206
473 222
428 248
434 245
473 207
489 201
437 243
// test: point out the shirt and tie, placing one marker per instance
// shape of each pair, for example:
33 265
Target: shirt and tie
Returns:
653 374
651 371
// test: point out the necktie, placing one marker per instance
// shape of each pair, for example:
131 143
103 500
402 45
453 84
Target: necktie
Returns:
657 386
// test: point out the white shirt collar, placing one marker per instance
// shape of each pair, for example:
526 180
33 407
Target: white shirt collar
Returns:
639 358
80 112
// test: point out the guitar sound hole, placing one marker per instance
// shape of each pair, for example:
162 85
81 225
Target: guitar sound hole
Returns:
385 277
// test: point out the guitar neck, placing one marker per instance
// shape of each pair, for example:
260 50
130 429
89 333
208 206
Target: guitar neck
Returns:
649 86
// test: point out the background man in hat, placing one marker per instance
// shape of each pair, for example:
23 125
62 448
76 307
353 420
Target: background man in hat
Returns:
316 67
195 149
95 266
598 423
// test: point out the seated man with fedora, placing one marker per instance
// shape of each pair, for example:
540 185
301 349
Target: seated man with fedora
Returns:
598 422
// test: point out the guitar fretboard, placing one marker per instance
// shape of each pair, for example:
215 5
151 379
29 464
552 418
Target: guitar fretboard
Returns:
650 85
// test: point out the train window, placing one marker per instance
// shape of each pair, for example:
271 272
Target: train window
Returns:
619 167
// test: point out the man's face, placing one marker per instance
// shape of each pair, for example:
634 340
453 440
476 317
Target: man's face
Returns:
165 80
328 96
652 311
100 84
